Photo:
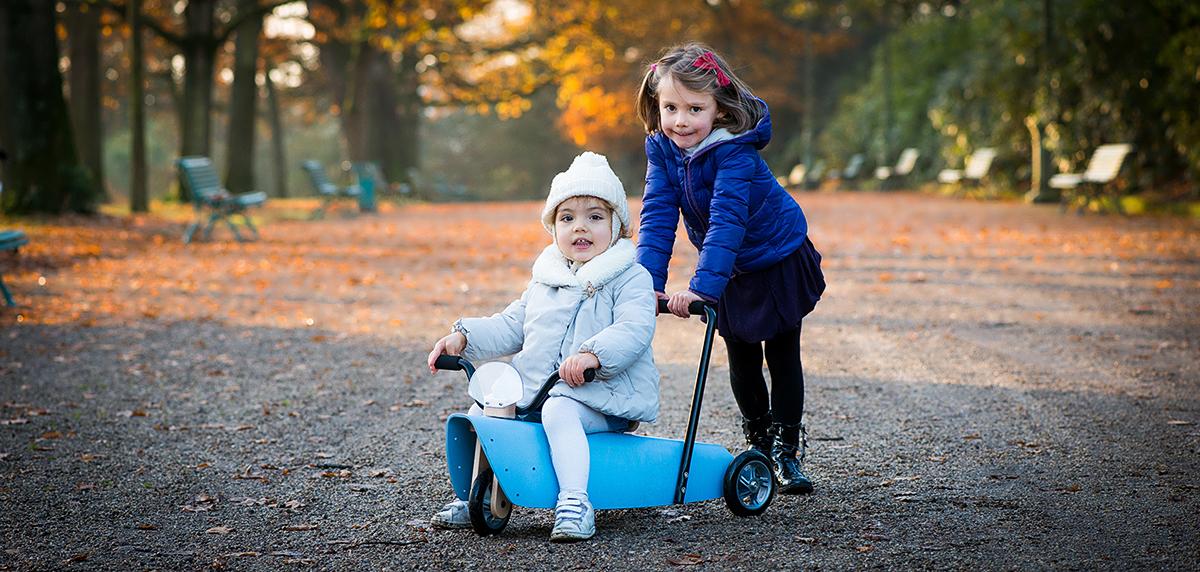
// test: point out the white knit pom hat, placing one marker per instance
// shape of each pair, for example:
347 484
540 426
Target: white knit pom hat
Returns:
589 176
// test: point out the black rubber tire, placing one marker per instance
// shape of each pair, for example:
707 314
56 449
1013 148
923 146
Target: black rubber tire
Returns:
749 484
479 506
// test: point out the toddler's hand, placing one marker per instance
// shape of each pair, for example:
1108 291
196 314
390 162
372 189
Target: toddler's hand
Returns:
453 344
679 302
571 370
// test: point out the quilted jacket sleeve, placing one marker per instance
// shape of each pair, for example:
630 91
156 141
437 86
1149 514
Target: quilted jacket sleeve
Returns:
727 218
660 218
498 335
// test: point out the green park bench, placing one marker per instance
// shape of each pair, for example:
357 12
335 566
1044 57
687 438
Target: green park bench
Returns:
1102 169
325 188
213 200
10 240
976 168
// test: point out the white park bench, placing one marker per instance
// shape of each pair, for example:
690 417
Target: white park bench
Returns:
977 166
904 166
1103 167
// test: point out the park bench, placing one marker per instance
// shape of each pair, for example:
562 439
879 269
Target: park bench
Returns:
10 240
802 177
976 168
213 200
904 166
328 191
850 173
1102 169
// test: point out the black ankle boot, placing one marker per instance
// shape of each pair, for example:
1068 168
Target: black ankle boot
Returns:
758 433
790 440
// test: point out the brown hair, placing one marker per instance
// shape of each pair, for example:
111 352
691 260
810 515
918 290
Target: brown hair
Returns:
738 109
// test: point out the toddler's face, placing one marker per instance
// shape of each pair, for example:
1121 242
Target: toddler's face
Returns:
582 228
686 116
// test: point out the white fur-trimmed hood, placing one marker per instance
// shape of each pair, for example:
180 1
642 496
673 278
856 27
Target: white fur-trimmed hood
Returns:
553 269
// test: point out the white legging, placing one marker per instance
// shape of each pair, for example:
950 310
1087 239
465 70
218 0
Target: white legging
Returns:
567 422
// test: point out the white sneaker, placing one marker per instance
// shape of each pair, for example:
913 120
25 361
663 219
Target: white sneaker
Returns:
452 516
574 518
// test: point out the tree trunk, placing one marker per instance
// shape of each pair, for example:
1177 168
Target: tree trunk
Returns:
139 200
83 34
242 103
405 137
277 149
199 53
43 173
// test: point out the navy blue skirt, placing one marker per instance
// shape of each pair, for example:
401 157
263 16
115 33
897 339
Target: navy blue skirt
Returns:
759 305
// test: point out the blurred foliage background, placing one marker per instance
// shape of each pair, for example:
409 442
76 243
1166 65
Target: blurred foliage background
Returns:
478 99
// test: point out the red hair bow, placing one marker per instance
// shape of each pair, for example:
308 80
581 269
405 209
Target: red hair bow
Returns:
707 61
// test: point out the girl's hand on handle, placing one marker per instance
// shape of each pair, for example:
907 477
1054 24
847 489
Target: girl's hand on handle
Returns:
679 302
571 370
453 344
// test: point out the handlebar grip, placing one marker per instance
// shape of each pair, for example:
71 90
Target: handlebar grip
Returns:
695 308
449 362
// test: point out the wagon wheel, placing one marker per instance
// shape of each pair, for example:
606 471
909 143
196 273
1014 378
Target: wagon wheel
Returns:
749 485
479 506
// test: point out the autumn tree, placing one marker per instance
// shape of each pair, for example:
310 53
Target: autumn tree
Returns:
43 172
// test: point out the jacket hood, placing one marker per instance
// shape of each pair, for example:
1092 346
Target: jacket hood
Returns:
760 135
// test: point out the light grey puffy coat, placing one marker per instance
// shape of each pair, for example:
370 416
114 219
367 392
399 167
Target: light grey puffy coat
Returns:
605 307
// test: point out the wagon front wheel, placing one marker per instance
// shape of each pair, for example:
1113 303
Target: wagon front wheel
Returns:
484 519
749 485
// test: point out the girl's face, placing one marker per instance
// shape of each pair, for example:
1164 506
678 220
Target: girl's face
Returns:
686 116
582 228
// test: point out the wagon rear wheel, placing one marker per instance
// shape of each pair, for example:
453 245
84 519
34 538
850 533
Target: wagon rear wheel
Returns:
749 485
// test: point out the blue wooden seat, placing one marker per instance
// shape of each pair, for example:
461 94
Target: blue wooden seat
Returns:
328 191
209 197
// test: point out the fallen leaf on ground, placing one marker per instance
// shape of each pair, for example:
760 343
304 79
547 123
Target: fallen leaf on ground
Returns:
1179 422
299 527
689 559
219 530
146 526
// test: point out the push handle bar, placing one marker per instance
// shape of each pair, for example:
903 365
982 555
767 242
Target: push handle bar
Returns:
695 308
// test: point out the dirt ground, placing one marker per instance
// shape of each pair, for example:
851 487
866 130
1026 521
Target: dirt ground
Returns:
989 386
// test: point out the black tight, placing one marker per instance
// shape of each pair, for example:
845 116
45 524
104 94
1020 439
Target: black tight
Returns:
786 400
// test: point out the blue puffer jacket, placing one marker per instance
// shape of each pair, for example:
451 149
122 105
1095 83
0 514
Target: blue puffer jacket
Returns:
734 210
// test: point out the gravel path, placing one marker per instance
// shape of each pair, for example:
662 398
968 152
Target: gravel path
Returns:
990 386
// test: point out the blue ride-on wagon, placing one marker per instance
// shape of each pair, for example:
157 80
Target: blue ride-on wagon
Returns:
497 461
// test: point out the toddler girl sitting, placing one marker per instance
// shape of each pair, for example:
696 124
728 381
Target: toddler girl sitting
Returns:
588 305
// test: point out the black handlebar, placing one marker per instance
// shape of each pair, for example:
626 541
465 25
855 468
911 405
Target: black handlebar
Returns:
695 308
454 363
